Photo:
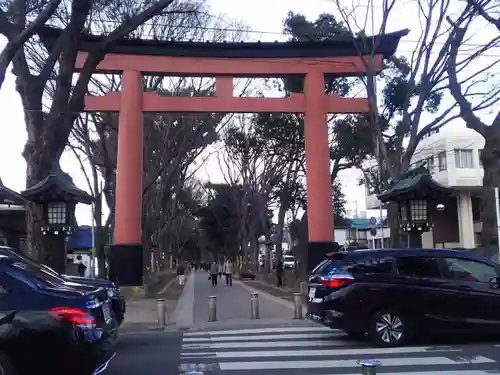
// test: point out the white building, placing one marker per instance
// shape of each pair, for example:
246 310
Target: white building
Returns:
452 156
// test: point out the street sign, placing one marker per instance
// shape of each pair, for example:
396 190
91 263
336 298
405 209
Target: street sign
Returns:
373 221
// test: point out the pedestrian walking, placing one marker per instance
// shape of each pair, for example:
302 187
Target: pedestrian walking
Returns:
228 270
181 274
213 273
279 273
81 267
220 268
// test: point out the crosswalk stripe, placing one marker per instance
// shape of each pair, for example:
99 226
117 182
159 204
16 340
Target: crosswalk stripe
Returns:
260 330
268 350
265 344
317 353
290 336
456 372
406 361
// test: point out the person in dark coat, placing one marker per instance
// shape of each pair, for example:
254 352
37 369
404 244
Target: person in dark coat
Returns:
214 271
81 267
279 273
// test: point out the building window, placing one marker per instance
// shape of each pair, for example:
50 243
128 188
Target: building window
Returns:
418 210
464 159
430 163
442 163
479 152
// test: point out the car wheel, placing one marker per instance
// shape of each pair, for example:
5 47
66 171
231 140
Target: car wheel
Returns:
388 328
6 367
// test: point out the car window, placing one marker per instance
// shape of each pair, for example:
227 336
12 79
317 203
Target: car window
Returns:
288 258
328 267
469 270
418 266
25 259
37 273
319 266
372 265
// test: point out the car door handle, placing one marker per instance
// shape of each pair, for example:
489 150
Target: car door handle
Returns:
465 288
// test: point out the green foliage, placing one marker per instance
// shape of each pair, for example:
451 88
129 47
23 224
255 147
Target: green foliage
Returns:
338 201
399 91
283 134
325 27
219 221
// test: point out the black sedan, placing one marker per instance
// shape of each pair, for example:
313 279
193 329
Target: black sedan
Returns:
117 300
48 327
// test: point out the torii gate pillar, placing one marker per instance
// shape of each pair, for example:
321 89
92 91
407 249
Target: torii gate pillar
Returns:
127 235
319 184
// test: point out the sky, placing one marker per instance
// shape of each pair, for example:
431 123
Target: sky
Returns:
262 15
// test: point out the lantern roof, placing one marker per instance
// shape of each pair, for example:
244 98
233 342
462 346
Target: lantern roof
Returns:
9 196
416 183
383 44
57 186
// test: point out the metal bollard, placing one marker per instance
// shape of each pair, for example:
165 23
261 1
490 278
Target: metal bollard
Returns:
297 306
212 308
161 312
369 366
254 305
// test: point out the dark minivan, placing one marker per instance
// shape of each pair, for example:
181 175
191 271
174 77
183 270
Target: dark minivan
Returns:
396 294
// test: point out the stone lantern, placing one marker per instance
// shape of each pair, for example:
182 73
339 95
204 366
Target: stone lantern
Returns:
55 198
417 194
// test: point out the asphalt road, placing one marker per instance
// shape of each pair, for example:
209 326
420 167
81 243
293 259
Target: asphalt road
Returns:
151 353
293 351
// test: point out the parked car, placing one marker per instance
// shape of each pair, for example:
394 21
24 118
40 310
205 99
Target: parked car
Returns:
396 294
288 261
49 327
117 300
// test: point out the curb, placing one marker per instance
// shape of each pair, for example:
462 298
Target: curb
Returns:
183 314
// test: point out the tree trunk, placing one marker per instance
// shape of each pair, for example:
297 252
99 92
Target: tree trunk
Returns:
39 163
281 223
490 158
55 258
394 224
100 237
302 247
34 237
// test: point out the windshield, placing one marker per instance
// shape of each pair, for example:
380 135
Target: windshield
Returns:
289 258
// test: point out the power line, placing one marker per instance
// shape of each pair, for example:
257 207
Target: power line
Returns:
264 32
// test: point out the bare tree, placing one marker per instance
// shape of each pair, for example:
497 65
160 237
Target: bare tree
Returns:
49 127
246 163
489 94
173 144
412 91
17 39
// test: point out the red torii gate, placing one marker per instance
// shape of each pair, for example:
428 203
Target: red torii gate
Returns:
224 61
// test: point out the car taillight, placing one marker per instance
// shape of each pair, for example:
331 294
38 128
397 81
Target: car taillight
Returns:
337 282
74 315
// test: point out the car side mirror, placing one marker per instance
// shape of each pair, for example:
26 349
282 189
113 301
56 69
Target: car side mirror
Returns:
494 283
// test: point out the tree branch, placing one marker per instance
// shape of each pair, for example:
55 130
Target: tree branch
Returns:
17 42
466 112
480 9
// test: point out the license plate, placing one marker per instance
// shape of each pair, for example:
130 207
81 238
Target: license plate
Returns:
105 312
312 292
